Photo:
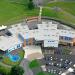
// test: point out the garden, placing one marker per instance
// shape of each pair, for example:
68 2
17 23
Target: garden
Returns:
7 60
6 63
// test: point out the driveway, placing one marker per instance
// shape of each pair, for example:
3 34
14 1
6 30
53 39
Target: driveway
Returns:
27 70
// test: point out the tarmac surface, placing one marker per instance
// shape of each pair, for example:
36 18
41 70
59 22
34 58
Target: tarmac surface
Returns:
27 70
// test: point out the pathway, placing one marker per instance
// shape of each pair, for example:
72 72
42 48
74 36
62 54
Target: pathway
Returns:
27 70
40 13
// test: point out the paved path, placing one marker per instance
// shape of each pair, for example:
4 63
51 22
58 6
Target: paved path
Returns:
40 13
70 70
24 64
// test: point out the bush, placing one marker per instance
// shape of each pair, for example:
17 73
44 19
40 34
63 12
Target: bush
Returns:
33 64
16 70
41 73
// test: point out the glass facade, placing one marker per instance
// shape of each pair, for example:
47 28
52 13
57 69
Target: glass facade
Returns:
65 38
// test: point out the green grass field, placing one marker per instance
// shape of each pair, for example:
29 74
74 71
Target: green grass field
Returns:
13 12
45 73
67 6
34 64
63 11
61 16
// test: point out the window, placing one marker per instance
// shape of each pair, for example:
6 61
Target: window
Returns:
66 38
61 37
18 46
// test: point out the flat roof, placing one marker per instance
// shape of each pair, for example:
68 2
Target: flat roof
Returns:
8 42
46 31
46 34
27 34
15 29
68 33
45 25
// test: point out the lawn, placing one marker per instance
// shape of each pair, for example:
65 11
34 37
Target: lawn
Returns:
63 11
49 12
62 15
34 64
45 73
7 60
16 10
11 12
41 73
5 70
67 6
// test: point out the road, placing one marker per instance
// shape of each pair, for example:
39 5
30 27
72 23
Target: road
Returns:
27 70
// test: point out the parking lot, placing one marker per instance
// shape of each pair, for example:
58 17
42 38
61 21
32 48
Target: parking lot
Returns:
57 64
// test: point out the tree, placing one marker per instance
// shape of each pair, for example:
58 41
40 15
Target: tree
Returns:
31 5
16 70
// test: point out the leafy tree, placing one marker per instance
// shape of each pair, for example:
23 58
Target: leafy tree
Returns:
31 5
16 70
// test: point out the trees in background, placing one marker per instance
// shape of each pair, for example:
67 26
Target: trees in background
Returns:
31 5
17 70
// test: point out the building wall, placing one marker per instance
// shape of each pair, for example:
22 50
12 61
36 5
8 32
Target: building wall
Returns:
64 40
15 47
74 42
29 41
